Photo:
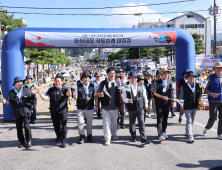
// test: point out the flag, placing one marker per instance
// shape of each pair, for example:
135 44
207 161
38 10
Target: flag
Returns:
204 83
105 91
51 85
126 88
153 72
181 102
73 85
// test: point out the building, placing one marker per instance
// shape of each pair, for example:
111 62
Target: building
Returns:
149 25
110 50
192 22
87 56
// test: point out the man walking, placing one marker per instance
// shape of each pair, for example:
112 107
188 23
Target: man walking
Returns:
29 84
20 99
191 93
109 92
179 84
97 82
58 95
163 89
85 94
214 91
136 100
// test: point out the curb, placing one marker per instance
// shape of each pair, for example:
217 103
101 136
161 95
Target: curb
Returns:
45 84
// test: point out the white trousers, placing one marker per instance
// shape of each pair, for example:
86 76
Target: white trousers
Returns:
109 123
88 114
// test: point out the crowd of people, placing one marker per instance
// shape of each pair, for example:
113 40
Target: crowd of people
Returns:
112 97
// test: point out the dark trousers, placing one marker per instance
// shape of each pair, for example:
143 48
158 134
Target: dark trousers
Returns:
172 110
122 117
59 122
214 107
162 117
132 123
19 123
33 115
99 113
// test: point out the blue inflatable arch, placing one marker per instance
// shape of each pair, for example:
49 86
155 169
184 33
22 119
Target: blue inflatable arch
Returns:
12 61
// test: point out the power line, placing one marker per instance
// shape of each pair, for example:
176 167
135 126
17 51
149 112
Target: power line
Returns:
136 14
166 3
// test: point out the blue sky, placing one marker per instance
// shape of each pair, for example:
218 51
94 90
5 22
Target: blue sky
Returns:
102 21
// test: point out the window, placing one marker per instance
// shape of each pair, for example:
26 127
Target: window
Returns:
203 37
172 25
182 26
190 16
168 26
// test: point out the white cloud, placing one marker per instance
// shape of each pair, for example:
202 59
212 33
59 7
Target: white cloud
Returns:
127 21
59 1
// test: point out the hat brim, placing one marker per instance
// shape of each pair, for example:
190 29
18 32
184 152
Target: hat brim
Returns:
165 71
59 77
29 78
192 75
17 81
86 76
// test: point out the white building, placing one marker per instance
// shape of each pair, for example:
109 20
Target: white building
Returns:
110 50
87 56
192 22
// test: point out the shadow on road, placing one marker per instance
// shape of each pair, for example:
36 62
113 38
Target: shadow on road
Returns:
202 164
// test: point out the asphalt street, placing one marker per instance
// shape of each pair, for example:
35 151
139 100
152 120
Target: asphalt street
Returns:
174 153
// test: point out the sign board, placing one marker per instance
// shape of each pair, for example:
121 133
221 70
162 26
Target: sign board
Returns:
206 64
52 66
68 39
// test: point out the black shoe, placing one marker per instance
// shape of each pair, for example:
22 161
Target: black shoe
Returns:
89 138
32 122
63 145
21 145
144 142
180 120
28 145
99 117
133 140
173 114
57 139
81 139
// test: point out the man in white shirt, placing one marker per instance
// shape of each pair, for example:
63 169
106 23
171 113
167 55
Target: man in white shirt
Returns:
136 99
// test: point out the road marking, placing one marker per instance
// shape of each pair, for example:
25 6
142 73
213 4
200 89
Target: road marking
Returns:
71 108
45 114
39 102
47 104
38 107
200 124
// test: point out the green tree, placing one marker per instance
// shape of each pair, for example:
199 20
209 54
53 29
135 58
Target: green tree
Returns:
199 45
169 52
146 52
158 52
9 23
133 53
36 56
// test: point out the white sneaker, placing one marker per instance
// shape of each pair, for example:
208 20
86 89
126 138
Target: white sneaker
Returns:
191 139
149 115
220 137
165 135
161 138
107 143
205 132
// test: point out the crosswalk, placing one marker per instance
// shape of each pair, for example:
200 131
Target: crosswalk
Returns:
43 111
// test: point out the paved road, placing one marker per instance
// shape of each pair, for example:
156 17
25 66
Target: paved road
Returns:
175 153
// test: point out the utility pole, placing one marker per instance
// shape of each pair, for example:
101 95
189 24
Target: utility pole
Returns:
213 11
